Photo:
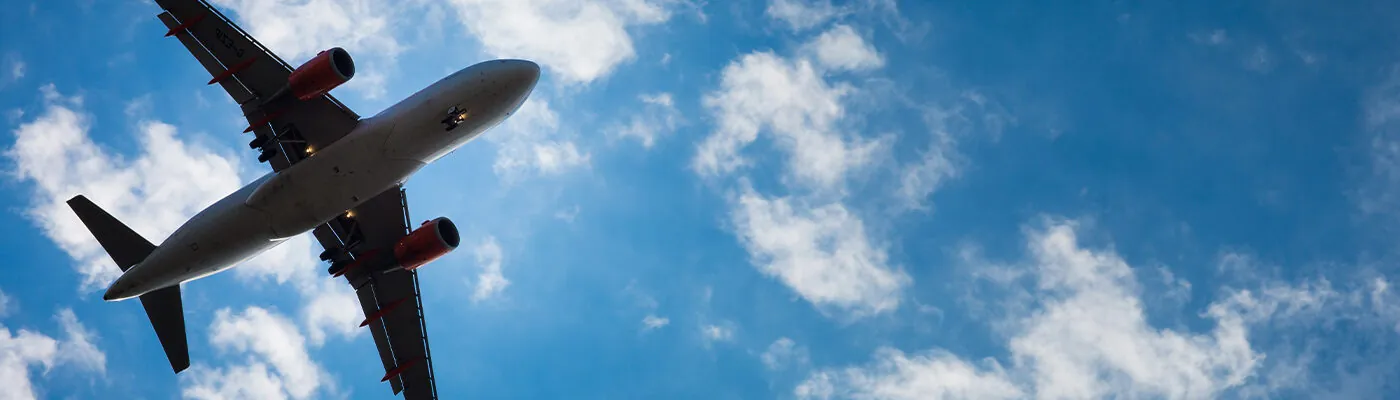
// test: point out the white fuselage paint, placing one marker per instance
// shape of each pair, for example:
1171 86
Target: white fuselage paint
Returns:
380 152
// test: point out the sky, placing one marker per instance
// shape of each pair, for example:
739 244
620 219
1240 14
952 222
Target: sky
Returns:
788 199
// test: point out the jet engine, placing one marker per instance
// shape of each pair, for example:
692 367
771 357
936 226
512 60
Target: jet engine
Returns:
328 69
431 240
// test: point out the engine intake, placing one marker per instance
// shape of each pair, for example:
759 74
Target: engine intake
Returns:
434 239
316 77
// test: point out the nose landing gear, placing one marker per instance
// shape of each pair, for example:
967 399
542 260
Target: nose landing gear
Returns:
455 116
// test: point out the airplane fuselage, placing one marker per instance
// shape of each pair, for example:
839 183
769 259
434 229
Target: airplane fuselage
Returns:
380 152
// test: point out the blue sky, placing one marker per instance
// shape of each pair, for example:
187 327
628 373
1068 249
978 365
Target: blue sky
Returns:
785 199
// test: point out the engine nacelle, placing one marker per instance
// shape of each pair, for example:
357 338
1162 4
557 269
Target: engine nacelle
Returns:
328 69
425 244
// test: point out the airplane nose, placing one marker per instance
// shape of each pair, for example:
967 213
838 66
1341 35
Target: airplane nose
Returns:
517 78
521 72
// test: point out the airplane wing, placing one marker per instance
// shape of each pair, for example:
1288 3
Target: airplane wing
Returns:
392 304
285 128
288 129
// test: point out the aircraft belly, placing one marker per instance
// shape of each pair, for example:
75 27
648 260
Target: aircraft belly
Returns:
330 182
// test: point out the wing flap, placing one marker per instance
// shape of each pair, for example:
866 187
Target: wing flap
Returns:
376 329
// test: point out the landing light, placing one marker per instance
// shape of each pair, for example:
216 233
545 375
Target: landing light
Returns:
461 117
309 150
350 214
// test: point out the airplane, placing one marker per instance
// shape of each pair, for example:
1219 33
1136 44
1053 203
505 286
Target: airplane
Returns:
334 174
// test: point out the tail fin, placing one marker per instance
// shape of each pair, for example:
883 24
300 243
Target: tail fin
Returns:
128 248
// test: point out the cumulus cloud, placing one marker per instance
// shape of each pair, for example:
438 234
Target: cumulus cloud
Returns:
298 29
489 282
809 239
658 117
580 41
841 48
789 99
801 15
1079 330
821 252
276 363
24 350
531 144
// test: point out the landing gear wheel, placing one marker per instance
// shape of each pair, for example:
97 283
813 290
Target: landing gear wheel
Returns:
337 267
267 154
332 254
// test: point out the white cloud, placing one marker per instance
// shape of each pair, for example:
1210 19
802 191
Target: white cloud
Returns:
783 353
652 322
717 333
331 307
1081 333
154 192
1092 339
841 48
919 180
277 365
298 29
896 376
489 282
581 41
530 143
77 347
801 15
25 349
820 252
18 353
658 117
789 99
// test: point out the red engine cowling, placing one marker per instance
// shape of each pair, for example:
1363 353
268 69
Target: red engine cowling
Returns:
328 69
425 244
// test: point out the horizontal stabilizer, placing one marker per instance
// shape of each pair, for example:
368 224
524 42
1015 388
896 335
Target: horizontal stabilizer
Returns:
168 317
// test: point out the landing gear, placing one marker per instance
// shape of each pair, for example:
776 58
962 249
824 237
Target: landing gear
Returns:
335 268
332 254
267 154
257 142
455 117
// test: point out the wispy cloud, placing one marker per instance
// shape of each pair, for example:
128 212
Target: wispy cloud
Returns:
489 282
